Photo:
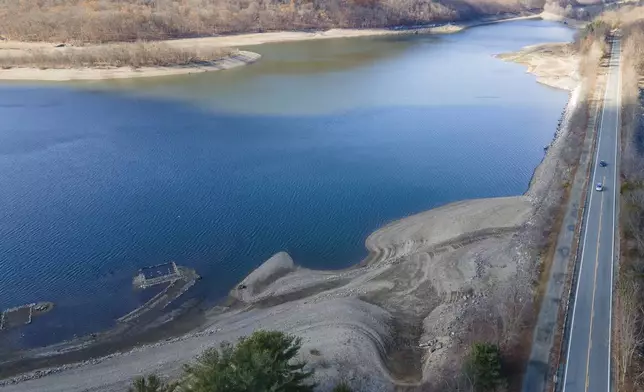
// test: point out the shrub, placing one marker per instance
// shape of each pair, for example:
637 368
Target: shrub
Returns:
262 362
151 383
484 367
628 186
342 387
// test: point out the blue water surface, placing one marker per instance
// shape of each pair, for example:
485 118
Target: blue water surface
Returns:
219 172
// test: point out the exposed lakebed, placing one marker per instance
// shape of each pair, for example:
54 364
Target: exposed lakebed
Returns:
307 151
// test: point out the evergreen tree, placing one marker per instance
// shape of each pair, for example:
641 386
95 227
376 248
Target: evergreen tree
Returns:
484 367
262 362
342 387
151 383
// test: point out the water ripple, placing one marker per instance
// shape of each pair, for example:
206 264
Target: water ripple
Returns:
88 199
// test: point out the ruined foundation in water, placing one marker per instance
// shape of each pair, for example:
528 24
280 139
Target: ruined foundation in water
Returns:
23 315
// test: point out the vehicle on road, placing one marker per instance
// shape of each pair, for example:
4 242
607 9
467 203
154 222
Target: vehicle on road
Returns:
599 187
603 163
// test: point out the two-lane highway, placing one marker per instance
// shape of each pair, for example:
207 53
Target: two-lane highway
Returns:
588 361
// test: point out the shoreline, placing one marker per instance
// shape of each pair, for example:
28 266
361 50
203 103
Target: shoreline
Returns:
553 64
238 59
34 74
253 39
390 247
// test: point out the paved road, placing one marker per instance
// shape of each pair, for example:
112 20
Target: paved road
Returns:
588 362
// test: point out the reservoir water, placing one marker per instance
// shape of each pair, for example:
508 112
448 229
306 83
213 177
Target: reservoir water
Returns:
307 151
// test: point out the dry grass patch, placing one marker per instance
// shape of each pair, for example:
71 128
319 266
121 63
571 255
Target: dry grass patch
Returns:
134 55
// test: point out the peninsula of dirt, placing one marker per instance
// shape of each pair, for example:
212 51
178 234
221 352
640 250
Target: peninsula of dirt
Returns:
554 65
68 74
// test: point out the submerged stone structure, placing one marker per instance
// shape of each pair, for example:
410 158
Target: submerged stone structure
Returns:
23 315
178 279
157 274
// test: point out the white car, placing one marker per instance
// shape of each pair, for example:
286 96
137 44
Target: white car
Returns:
599 187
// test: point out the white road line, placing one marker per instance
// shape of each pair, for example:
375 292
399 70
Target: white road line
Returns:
583 249
592 304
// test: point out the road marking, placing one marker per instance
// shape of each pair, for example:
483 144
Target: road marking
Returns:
592 303
584 219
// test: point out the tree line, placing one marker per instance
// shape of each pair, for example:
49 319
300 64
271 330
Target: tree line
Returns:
118 20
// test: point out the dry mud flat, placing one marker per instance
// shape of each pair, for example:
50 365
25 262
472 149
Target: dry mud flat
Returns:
397 319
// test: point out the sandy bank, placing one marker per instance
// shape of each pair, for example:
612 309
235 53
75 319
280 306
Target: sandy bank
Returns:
241 40
555 65
289 36
67 74
15 48
445 224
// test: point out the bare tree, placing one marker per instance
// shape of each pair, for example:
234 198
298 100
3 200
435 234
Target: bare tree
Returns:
512 299
630 324
630 313
118 20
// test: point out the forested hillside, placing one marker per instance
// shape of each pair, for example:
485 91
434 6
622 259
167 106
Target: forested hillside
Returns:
127 20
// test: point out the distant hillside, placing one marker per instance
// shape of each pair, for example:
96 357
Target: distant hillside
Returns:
128 20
